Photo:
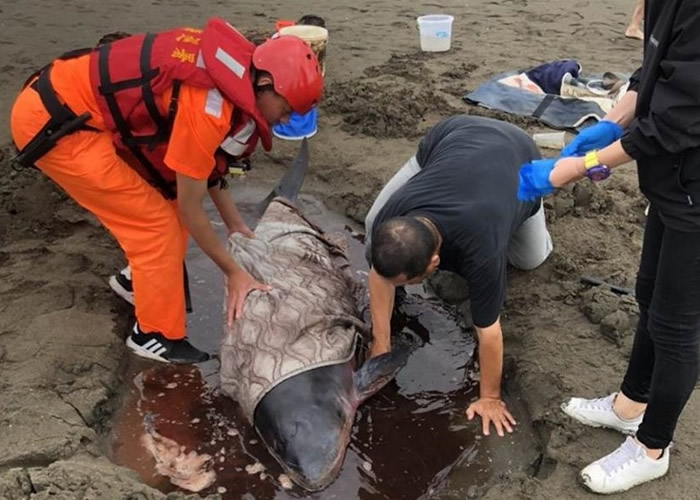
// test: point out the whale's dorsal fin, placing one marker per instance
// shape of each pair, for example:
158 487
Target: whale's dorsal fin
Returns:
290 184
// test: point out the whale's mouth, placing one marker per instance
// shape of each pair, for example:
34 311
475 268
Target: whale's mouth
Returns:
315 481
316 475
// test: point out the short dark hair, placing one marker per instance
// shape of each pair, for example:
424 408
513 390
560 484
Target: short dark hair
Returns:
402 245
312 20
113 37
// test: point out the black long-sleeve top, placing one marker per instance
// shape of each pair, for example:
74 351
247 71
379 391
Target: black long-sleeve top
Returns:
664 137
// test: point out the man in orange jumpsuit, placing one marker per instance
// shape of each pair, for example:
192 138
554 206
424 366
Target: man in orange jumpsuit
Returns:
138 129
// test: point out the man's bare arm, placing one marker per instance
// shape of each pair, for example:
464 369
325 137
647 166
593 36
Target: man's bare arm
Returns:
381 306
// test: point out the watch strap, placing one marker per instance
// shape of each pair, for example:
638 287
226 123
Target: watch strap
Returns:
591 160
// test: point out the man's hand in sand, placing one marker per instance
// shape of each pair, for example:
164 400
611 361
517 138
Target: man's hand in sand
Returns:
492 411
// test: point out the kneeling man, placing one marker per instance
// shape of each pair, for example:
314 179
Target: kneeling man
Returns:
454 206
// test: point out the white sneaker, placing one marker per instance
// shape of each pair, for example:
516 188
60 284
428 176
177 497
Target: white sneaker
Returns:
623 469
599 413
121 284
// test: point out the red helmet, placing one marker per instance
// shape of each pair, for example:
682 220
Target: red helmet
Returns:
294 68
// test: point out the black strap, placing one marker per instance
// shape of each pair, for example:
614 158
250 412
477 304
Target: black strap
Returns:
147 73
172 108
144 82
188 296
108 93
72 54
543 105
162 130
58 111
62 122
33 77
113 87
236 116
106 86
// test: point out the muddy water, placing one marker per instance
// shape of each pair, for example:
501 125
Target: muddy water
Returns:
405 440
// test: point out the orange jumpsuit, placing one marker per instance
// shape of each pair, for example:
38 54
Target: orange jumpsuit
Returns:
86 165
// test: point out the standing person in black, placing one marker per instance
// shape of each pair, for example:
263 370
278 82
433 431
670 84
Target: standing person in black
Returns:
454 206
657 124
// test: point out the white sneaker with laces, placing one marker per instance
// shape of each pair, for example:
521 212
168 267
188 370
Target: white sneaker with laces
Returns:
121 284
599 413
624 468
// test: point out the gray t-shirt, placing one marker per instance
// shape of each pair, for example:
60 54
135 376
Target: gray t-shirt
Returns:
467 187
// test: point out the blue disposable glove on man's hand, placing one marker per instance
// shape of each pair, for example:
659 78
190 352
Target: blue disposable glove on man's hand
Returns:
534 179
597 136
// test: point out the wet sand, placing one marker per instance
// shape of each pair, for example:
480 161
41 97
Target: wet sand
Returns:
406 439
61 330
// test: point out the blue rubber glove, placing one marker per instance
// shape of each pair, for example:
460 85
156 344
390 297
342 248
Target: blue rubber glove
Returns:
597 136
534 179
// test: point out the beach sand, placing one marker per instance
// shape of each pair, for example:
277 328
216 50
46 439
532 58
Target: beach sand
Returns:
62 330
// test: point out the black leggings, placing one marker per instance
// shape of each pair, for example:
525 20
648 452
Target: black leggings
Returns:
663 368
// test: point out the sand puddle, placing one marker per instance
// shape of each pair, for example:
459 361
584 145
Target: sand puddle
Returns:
406 440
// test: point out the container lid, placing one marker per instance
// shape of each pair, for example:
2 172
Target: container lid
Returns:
436 18
306 32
